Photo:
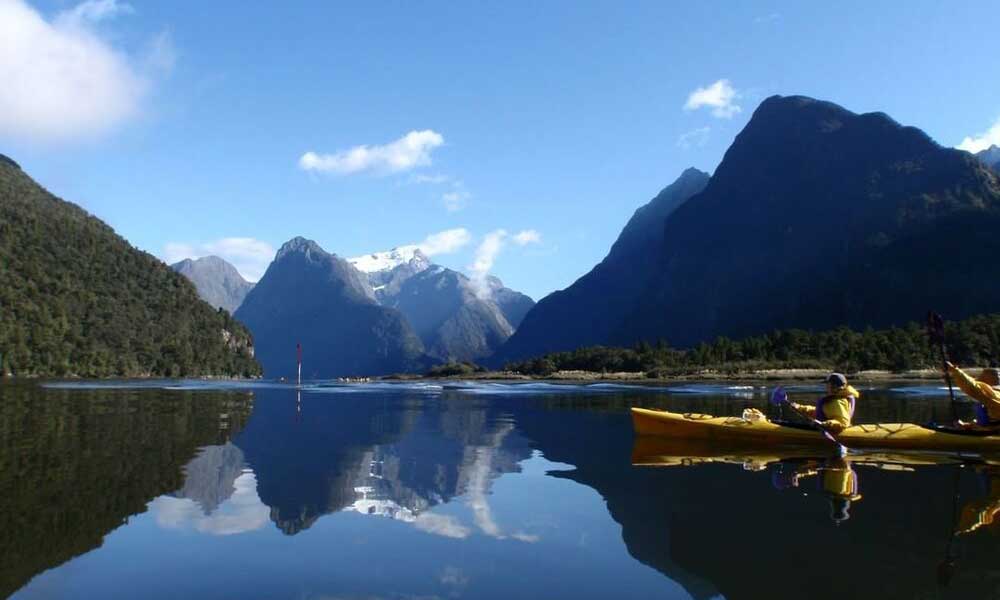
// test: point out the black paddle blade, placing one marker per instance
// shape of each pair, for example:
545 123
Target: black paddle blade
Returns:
935 327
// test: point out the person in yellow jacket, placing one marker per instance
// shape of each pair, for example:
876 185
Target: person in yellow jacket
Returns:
985 390
835 410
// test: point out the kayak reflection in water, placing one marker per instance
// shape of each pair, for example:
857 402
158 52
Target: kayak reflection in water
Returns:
983 512
837 481
984 391
835 410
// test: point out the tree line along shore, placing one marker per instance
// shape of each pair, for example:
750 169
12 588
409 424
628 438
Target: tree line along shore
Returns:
893 353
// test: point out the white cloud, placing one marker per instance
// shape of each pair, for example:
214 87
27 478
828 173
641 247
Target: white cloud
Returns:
60 79
694 138
982 141
250 256
488 250
445 242
456 199
408 152
719 96
527 236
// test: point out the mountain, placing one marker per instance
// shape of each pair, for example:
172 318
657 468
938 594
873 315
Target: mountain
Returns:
78 299
587 312
819 217
320 300
452 320
990 157
513 304
386 271
443 306
217 281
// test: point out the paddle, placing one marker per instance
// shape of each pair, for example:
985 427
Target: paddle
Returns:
780 397
935 331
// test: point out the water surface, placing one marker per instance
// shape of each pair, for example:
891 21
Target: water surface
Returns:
231 490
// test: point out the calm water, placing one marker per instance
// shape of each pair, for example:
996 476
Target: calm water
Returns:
171 490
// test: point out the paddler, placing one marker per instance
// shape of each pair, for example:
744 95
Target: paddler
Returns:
983 390
835 410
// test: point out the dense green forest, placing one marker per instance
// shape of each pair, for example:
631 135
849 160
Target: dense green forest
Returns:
974 341
76 299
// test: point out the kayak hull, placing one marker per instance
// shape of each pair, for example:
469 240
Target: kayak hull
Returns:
728 430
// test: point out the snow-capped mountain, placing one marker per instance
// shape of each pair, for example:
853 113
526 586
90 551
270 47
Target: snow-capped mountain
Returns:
442 305
388 270
388 260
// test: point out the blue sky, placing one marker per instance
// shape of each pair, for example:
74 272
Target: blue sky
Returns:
185 125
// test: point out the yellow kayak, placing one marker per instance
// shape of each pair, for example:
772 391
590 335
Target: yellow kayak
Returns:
728 430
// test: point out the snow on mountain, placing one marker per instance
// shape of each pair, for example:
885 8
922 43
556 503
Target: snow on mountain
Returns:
388 260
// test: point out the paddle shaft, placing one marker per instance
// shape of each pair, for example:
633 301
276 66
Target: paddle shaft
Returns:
947 377
935 331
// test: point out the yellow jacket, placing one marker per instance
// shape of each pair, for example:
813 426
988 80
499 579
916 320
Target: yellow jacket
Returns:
837 409
979 391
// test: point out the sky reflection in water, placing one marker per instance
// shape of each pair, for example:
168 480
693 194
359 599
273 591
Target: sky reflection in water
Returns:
460 490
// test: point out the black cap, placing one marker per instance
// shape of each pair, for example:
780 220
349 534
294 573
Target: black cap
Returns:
837 380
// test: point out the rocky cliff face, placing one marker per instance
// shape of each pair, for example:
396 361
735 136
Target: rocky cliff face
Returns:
454 323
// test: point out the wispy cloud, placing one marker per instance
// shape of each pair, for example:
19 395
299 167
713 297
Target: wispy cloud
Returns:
436 178
768 18
408 152
250 256
93 11
488 251
61 79
445 242
694 138
719 96
982 141
456 199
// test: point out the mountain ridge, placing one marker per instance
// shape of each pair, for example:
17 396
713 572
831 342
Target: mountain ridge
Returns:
600 297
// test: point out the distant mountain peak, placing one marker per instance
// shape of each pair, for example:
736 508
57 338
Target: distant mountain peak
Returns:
990 157
218 282
390 259
300 245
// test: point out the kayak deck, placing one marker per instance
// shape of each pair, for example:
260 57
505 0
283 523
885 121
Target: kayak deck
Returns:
876 435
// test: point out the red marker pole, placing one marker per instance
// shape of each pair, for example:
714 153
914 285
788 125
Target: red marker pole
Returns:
298 351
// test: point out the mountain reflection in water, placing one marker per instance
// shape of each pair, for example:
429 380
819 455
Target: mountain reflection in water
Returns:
259 492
